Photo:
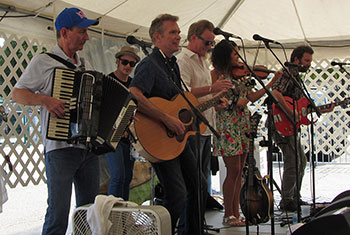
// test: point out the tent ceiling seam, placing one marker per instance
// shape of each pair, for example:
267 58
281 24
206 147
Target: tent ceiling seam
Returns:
41 9
299 21
113 8
230 12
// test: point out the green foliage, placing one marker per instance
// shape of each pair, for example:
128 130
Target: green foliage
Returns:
13 44
24 45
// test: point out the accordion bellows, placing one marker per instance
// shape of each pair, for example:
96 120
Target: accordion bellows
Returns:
97 111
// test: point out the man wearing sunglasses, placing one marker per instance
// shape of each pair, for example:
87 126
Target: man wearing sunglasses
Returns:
195 72
120 162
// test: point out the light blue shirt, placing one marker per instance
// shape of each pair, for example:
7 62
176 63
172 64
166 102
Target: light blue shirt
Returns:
38 79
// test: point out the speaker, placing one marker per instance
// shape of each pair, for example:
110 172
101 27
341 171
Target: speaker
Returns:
336 204
341 195
332 220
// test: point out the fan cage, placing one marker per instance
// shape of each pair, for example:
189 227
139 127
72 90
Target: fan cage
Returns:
151 220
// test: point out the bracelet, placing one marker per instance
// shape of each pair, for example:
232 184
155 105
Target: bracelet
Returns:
209 89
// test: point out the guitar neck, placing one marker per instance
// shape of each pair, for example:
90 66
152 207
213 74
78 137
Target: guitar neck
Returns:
327 106
251 163
216 100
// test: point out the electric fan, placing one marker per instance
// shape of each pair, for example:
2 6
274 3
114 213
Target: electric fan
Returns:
127 220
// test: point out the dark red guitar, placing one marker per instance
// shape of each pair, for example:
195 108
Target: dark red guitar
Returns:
285 127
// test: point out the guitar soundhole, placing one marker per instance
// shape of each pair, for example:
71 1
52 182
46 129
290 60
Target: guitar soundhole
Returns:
185 116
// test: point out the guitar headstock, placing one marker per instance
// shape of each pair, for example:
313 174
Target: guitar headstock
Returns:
236 89
233 93
345 103
254 123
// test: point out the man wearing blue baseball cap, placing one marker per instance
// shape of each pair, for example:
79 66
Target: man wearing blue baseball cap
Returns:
65 163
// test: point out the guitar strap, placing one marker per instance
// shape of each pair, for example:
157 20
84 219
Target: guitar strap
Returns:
175 71
183 83
173 68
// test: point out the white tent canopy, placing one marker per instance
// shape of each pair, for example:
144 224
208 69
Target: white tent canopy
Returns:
322 24
282 20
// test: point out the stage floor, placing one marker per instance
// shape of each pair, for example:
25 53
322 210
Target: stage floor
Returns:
24 211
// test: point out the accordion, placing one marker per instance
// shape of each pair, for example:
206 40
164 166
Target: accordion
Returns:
98 109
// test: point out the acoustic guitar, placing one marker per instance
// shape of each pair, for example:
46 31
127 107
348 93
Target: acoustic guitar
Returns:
155 142
256 199
284 126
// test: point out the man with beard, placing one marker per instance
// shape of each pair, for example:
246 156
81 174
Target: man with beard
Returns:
285 86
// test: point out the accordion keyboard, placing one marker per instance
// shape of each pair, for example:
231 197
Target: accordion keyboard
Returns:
63 84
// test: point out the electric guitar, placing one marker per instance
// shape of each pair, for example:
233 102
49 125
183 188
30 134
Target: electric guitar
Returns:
155 142
285 127
256 199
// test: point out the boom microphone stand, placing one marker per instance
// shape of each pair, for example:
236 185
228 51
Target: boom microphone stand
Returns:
198 118
341 66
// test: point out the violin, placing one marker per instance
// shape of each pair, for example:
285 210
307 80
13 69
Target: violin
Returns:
241 70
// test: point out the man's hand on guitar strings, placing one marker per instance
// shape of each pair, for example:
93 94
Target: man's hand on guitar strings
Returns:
174 124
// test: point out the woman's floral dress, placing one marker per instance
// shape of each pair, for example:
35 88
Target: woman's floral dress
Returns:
234 126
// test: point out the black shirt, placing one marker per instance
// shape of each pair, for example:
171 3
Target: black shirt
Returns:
151 81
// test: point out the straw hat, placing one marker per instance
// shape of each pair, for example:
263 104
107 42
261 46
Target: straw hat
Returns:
130 51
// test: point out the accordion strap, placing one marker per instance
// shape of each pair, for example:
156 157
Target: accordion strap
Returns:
63 61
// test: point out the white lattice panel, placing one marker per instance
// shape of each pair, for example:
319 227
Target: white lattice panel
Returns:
20 137
325 84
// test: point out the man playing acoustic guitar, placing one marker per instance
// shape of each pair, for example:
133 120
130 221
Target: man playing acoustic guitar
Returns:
177 176
302 56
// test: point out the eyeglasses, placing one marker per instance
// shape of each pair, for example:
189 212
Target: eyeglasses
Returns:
207 43
126 62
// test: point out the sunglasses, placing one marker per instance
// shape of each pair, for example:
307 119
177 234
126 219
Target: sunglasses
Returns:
207 43
126 62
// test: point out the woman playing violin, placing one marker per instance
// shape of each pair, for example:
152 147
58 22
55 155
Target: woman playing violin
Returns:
233 124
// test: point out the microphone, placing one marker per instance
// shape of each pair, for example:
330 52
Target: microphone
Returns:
288 64
333 63
132 40
218 31
257 37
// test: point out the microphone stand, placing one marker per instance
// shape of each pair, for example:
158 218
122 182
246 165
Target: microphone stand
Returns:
198 118
312 104
312 163
270 147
